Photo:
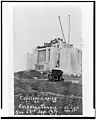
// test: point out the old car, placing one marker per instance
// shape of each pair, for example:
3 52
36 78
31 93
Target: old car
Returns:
55 75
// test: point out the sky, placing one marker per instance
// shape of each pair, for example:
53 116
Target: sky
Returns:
36 23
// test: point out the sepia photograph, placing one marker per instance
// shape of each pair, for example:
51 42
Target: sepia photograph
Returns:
47 59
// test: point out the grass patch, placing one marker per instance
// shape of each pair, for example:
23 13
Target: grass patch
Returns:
68 97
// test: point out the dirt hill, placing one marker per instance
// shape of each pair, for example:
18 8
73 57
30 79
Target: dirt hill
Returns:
30 74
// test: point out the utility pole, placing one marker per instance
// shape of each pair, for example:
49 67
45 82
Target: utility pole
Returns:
69 30
61 28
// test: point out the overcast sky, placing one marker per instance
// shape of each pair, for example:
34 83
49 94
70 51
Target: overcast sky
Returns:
35 24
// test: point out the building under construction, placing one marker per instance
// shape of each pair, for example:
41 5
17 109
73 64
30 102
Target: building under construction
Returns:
56 54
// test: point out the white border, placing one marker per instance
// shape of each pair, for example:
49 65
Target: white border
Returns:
8 81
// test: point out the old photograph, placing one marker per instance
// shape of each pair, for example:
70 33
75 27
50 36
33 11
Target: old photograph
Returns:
47 59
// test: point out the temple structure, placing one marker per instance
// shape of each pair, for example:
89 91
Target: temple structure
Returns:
58 54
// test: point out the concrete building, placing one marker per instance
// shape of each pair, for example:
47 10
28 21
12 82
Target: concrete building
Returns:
57 53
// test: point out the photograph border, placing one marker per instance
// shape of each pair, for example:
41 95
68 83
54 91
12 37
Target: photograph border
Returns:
93 64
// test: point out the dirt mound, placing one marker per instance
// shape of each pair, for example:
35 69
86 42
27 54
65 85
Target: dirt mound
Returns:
30 74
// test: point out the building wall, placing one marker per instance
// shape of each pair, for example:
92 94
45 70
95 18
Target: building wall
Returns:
65 59
34 59
74 60
53 57
70 59
46 65
43 59
80 60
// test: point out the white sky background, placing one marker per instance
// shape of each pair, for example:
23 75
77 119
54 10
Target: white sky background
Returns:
36 23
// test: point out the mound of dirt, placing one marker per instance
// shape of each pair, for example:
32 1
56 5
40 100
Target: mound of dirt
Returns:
30 74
